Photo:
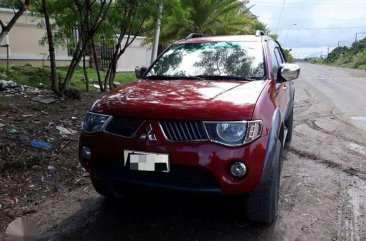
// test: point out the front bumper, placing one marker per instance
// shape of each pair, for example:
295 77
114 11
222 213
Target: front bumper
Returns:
201 167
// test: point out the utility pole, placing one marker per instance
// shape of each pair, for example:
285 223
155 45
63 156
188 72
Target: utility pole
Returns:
357 34
154 52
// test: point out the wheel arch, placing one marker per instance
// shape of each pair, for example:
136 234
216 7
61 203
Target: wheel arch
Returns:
274 145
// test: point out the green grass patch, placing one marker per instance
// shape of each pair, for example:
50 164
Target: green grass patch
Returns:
3 106
41 77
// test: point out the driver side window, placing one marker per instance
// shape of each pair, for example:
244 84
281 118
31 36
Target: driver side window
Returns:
274 59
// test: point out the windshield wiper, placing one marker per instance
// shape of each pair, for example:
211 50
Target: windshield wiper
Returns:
226 77
165 77
162 77
202 77
254 77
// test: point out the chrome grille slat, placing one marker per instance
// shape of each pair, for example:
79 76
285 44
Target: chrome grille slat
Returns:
177 130
172 131
192 130
183 131
124 126
195 125
188 132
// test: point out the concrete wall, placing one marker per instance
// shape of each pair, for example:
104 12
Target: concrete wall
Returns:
25 48
136 54
23 40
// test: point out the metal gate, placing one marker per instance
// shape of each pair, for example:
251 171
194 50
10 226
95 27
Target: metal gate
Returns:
106 54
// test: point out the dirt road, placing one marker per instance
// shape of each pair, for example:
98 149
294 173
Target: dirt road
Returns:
323 187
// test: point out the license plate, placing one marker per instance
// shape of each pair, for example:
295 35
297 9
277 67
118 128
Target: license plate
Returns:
146 161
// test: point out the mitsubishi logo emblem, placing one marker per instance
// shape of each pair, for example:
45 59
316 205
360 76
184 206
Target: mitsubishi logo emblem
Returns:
149 135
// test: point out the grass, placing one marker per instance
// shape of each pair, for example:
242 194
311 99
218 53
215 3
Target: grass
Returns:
41 77
3 106
351 65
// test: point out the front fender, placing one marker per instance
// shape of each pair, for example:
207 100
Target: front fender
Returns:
274 146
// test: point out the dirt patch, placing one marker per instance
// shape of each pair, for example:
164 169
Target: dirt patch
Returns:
29 172
350 171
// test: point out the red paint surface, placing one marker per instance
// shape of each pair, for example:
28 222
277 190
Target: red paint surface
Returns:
183 99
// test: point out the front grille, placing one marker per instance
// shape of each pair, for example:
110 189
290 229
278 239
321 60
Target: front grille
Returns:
183 130
179 176
124 126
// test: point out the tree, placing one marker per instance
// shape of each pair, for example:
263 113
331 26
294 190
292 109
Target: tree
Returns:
51 48
213 17
91 16
21 6
289 56
84 16
129 17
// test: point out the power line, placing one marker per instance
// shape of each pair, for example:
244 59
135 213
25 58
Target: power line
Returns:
293 3
312 6
335 28
279 17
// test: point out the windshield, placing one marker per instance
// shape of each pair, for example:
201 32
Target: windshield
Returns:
238 60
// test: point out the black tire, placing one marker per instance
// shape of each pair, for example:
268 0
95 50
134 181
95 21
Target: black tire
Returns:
261 206
289 125
102 189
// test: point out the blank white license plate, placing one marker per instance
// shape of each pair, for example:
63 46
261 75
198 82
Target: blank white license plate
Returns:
146 161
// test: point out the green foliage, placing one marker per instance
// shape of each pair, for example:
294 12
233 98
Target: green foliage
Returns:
9 4
353 57
288 55
213 17
40 77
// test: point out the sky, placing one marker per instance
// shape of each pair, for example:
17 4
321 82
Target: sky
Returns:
310 27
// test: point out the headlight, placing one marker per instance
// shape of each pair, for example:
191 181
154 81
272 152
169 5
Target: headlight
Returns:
234 133
231 132
94 122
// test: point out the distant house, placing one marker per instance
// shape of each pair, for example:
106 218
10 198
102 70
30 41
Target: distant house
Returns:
25 48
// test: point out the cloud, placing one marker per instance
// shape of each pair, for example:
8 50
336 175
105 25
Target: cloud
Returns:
313 25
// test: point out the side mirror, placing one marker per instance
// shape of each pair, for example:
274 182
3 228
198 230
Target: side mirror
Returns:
139 71
289 71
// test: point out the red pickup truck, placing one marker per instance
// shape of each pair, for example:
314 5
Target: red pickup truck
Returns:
210 115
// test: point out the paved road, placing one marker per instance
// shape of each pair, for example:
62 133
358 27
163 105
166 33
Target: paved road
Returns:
323 187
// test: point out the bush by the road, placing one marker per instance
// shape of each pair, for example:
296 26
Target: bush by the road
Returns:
353 57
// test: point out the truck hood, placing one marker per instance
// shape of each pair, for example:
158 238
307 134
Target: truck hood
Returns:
182 99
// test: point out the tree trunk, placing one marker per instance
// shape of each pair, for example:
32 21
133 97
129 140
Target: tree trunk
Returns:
112 73
5 29
79 51
86 78
97 66
51 48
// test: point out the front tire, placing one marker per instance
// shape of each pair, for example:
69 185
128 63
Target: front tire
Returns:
262 205
289 125
102 189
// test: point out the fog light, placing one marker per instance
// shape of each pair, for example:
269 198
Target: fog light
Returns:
238 169
86 152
